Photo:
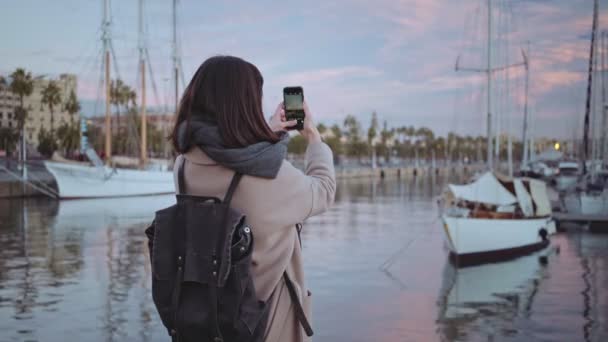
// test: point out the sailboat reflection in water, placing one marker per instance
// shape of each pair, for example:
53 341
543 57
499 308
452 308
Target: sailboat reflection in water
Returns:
496 292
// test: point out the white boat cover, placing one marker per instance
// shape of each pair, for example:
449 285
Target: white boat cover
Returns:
486 189
525 201
538 189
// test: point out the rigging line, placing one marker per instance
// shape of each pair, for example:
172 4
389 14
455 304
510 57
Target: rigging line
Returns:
91 72
87 52
90 61
152 79
114 60
101 82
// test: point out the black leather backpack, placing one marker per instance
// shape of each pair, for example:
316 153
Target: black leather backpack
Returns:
200 251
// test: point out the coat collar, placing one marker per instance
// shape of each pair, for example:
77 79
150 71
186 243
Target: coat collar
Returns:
197 156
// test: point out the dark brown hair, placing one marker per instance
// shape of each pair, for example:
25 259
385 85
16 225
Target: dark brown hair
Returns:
225 91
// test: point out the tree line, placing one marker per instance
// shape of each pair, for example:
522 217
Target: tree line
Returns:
348 139
405 142
66 137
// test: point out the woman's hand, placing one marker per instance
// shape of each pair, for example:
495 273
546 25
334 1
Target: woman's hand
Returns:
278 121
310 132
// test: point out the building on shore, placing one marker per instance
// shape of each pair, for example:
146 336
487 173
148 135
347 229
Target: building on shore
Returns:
39 114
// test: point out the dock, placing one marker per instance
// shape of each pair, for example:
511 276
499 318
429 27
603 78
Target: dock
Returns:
596 223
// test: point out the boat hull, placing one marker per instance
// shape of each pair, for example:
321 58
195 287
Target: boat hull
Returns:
79 181
587 203
480 240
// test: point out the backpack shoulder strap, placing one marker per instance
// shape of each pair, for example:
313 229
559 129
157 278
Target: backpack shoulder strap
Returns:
233 184
181 185
298 309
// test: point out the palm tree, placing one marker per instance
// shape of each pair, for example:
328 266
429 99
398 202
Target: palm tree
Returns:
8 140
355 146
116 98
21 85
373 129
3 84
72 106
51 96
385 136
69 136
130 97
335 142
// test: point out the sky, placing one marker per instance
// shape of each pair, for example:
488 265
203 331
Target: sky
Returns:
394 57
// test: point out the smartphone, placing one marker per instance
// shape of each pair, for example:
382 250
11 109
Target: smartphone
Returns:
293 100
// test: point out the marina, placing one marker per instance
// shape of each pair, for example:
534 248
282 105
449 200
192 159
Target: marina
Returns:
378 257
489 223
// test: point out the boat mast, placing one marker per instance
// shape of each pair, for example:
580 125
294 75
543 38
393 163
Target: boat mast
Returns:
595 95
488 71
175 57
489 79
589 84
142 65
106 38
602 147
525 155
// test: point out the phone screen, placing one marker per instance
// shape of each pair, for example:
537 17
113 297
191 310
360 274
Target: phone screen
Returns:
294 102
293 99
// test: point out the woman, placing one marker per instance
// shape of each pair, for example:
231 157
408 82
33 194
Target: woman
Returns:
221 129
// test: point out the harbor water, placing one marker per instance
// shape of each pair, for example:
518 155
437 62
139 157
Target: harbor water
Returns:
375 263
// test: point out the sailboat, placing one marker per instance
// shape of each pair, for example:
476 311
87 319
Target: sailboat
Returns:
75 180
589 197
567 175
495 217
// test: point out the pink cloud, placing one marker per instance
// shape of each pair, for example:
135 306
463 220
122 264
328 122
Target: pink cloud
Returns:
549 80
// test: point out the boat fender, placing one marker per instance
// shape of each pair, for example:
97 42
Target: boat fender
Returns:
543 234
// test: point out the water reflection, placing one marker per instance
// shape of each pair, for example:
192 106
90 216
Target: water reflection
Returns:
76 265
375 262
560 298
472 296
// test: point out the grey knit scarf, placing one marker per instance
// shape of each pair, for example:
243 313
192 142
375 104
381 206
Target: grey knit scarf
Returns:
261 159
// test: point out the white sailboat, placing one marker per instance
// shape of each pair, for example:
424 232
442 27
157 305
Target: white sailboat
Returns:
495 218
75 180
588 197
83 181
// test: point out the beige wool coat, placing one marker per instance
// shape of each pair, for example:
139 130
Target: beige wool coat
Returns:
272 207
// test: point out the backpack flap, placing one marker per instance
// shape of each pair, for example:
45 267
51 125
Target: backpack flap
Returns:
206 245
